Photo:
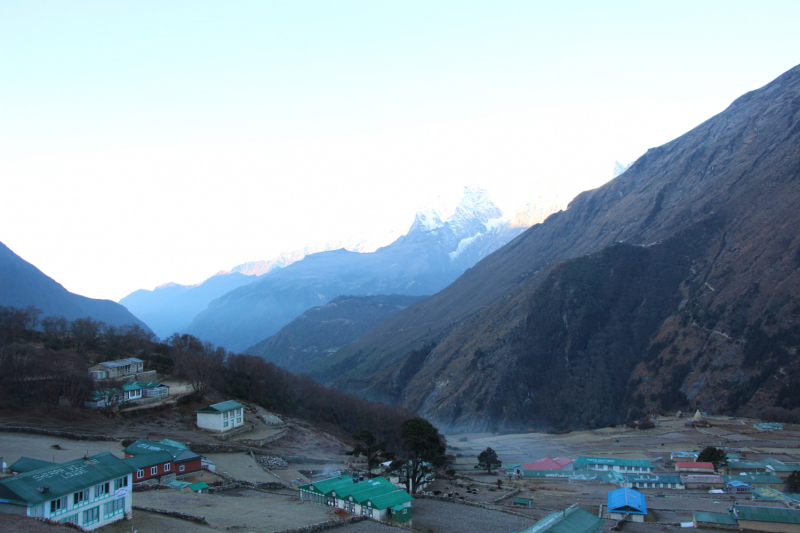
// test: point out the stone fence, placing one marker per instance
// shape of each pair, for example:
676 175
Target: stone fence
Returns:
265 440
55 433
471 504
325 525
175 514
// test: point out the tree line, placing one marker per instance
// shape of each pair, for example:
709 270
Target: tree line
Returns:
42 359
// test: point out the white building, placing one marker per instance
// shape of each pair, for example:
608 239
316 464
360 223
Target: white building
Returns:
118 368
90 492
223 416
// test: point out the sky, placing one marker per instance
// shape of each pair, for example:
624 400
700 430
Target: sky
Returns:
151 142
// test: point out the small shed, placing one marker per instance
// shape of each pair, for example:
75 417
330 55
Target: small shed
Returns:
625 501
522 502
223 416
401 514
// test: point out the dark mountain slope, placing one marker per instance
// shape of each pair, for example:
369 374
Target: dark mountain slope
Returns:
22 284
320 331
735 180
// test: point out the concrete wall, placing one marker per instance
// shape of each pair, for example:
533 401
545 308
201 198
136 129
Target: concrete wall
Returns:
212 421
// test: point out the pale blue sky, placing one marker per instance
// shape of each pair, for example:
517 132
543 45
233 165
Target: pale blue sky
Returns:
146 142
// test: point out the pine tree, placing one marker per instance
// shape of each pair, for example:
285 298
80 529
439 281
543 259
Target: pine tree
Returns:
487 460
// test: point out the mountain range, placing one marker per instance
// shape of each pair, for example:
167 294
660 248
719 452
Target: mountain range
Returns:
22 284
675 285
432 254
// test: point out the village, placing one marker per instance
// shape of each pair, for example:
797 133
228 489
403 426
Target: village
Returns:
231 466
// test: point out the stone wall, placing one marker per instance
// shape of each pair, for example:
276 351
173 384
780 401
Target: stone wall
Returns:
55 433
325 525
175 514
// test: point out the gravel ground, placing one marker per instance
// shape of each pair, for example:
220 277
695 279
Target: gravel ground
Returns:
16 445
241 466
145 522
444 517
251 511
367 526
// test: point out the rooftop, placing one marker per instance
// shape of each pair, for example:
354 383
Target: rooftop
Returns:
614 461
715 518
574 520
122 362
26 464
548 463
626 501
221 407
691 464
149 459
144 446
384 501
767 514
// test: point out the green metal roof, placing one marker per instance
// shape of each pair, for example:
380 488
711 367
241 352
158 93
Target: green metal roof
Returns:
144 446
652 478
58 480
715 518
391 499
26 464
198 486
221 407
364 490
137 385
574 520
767 514
399 508
747 465
610 461
327 485
149 459
176 484
173 443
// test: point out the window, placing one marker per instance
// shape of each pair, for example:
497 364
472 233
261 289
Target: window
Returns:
225 423
101 491
139 474
91 516
121 482
71 519
366 510
167 467
80 498
153 470
182 468
350 507
58 506
113 508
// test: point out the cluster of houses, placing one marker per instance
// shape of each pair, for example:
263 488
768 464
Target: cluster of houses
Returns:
758 479
133 389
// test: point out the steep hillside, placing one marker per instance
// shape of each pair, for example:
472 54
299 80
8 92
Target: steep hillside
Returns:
674 285
320 331
22 284
171 307
430 256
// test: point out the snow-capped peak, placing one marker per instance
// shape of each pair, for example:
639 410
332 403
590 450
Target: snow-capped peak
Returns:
619 168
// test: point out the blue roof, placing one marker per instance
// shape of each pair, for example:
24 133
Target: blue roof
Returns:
626 501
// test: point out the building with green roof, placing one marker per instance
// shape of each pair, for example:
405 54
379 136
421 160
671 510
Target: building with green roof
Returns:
767 518
372 497
756 480
157 459
714 520
221 417
90 492
572 520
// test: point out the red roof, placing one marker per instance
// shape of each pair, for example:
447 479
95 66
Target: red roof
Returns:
709 466
548 464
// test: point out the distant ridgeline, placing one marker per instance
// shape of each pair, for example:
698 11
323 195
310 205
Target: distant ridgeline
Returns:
674 286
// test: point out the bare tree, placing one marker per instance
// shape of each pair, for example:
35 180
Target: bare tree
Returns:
198 363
